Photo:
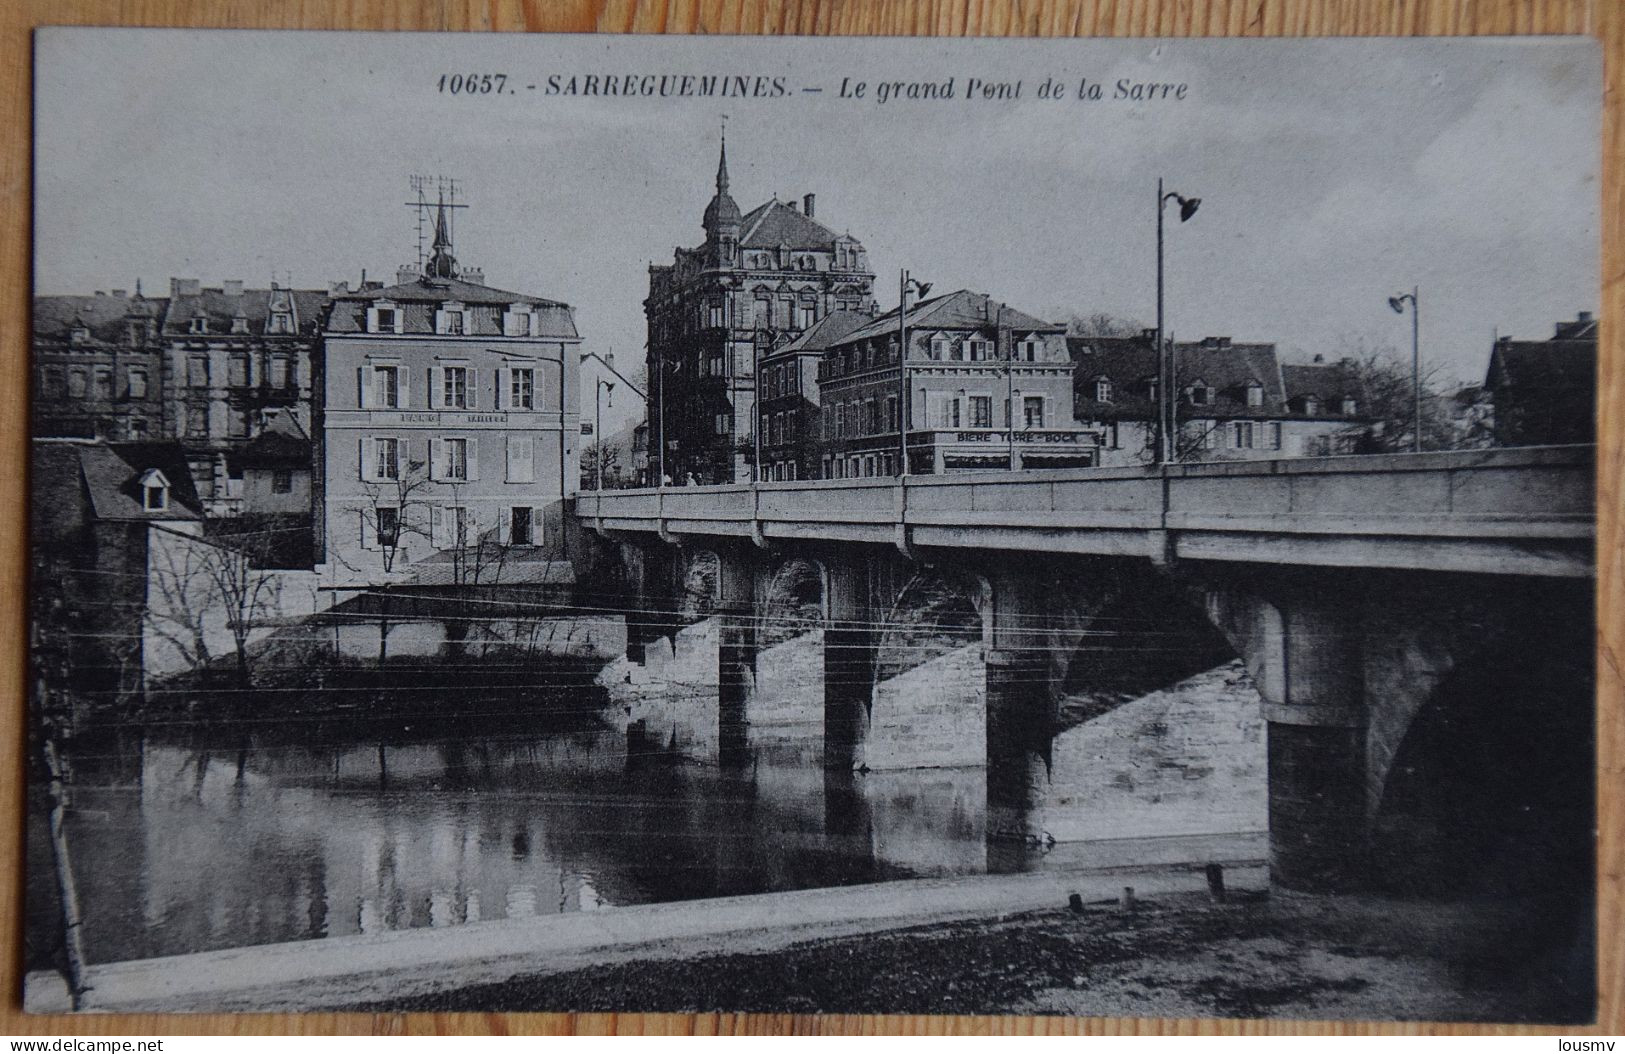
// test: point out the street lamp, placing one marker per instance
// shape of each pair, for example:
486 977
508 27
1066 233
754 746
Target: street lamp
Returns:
598 422
905 400
1165 364
1398 304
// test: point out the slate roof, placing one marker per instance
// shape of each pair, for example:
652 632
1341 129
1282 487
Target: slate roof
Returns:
104 315
282 441
963 309
252 305
1130 363
1543 365
823 334
419 299
71 477
775 223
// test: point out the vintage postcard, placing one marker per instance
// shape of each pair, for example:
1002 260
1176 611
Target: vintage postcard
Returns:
1087 527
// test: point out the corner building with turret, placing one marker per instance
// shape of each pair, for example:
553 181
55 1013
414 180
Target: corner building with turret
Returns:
759 280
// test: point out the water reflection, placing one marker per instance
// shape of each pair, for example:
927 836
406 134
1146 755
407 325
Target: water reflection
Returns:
187 845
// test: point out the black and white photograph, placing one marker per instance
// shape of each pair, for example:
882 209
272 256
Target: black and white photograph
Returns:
1099 528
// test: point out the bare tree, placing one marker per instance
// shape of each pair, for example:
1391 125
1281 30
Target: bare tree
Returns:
198 585
1383 376
590 468
1102 324
392 511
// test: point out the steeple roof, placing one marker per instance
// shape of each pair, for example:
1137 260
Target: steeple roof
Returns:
722 212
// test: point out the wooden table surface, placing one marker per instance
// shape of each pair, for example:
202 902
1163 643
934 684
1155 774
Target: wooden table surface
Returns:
1019 18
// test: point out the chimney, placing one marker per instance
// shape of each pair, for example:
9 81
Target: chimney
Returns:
184 287
807 203
1224 342
232 287
1585 316
336 288
1319 359
121 293
793 206
404 274
1211 343
1149 336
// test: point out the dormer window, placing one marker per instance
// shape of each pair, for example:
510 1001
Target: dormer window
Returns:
281 322
1028 349
1350 407
516 323
239 324
80 334
200 324
451 321
154 491
1103 390
1201 394
939 347
384 318
1255 394
1311 405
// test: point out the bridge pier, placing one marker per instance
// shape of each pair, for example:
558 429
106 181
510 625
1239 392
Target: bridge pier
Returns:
851 642
736 652
1302 641
1020 705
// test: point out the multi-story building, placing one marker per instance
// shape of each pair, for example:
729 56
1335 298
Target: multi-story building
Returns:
975 365
1545 391
450 419
759 280
235 359
1233 401
98 366
792 446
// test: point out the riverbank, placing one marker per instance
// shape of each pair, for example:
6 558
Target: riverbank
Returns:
1259 954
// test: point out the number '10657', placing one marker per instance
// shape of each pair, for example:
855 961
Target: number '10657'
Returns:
473 83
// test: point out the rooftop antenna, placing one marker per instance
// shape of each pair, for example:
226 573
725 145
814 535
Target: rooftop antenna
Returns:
433 192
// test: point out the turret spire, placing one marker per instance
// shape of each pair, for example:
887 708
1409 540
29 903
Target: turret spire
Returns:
722 163
442 264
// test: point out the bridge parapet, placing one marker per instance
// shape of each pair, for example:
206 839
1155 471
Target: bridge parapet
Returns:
1508 511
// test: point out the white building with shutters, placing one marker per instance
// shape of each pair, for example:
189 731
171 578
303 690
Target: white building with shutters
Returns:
450 424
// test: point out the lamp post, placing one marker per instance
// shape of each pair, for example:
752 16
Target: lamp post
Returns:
598 423
756 411
1398 304
1165 368
905 399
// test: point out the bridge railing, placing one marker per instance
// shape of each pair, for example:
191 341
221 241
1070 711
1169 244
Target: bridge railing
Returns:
1535 496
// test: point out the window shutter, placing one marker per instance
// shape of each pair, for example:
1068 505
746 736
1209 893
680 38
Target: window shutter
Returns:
437 459
473 459
538 537
473 388
437 386
403 377
503 380
504 526
400 457
368 535
365 463
363 397
437 527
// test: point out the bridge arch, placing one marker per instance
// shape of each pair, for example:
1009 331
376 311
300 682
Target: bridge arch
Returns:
794 600
1490 791
938 610
700 583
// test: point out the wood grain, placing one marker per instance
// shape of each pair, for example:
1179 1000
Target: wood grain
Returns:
1235 18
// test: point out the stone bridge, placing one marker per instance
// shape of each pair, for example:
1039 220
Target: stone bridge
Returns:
1420 627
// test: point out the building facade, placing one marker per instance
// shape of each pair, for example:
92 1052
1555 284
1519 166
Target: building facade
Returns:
1545 391
1233 401
450 425
974 366
792 446
759 280
98 366
236 360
